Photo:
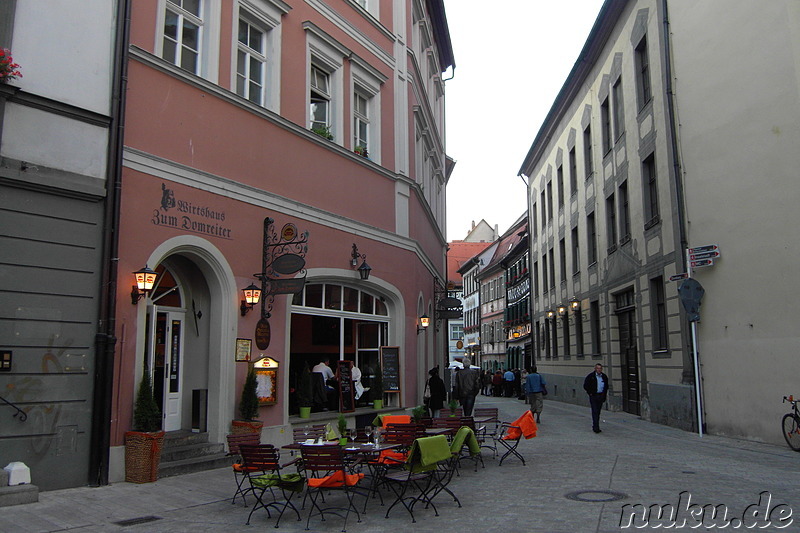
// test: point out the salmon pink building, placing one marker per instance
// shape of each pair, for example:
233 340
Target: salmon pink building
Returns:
289 146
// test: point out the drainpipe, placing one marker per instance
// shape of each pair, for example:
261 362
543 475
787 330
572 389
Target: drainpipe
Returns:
105 339
680 198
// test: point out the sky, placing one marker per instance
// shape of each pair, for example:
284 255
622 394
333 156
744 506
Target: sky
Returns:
512 58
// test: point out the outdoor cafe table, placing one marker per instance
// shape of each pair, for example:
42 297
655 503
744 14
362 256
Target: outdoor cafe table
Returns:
431 432
363 448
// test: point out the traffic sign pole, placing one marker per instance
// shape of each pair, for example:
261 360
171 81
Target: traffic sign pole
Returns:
695 356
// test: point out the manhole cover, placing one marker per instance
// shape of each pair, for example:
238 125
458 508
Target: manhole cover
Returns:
595 496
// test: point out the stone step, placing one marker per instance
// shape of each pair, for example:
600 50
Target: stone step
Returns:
18 494
183 438
194 464
189 451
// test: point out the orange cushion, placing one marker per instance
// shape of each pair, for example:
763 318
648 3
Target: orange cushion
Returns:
525 425
396 419
392 457
335 480
237 467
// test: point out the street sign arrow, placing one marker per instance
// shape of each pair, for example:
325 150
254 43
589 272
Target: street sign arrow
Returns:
701 263
706 248
703 255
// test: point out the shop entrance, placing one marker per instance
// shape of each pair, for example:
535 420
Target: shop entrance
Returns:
332 322
177 326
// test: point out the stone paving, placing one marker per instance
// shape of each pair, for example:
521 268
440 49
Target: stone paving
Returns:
574 481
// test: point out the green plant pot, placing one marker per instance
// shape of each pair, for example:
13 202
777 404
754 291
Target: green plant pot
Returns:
343 441
305 412
377 404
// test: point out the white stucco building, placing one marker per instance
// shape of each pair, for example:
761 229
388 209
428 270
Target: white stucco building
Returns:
677 128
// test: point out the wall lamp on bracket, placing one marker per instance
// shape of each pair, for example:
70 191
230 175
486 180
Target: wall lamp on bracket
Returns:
550 314
575 305
364 270
562 310
145 278
252 295
424 322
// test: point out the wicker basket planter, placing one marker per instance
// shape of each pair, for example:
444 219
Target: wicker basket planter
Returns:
246 426
142 456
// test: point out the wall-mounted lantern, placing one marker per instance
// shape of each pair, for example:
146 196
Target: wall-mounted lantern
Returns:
424 322
363 270
252 295
145 278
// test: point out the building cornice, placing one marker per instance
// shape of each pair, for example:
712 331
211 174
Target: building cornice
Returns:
601 31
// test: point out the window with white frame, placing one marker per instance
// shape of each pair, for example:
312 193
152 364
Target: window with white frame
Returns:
365 87
361 123
183 24
320 98
251 62
326 88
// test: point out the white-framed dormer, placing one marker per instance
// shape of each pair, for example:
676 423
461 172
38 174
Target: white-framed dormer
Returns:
187 35
256 51
325 81
365 106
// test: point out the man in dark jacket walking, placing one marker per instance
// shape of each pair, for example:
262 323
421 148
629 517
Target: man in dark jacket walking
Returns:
468 385
596 386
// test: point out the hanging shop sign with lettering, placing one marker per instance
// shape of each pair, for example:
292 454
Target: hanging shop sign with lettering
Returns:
184 215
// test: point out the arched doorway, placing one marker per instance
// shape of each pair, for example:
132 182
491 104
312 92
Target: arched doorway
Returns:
186 332
176 340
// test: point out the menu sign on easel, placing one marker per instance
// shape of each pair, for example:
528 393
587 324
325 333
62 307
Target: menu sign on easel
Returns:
390 366
346 398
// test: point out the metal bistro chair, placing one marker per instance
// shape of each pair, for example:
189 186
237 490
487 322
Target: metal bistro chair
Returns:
445 412
418 475
524 426
402 435
240 473
266 458
327 471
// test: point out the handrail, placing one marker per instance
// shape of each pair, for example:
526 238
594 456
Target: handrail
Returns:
23 416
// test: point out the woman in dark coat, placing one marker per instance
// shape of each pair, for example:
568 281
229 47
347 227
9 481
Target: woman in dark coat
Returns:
437 390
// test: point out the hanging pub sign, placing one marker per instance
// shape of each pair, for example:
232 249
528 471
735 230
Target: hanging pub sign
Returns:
286 286
288 264
262 334
283 255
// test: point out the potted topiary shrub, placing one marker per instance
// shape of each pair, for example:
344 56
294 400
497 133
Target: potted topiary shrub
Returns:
453 405
418 412
304 392
143 444
376 389
248 407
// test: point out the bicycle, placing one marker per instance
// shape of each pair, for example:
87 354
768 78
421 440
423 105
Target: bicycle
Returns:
791 424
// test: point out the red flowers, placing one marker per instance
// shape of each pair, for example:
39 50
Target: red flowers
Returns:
8 69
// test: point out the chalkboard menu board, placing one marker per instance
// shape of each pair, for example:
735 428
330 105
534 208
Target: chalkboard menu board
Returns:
390 365
346 399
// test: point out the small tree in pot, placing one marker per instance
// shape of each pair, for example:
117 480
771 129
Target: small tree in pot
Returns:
143 444
248 406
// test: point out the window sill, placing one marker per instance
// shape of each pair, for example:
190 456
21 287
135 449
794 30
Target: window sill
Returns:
612 249
662 354
653 222
625 240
